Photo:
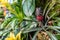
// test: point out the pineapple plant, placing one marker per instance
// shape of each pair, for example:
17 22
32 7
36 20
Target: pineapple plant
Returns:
32 20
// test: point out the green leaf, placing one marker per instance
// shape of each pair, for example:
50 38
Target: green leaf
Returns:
5 35
34 37
54 27
1 11
28 7
50 6
20 4
33 24
53 14
57 7
13 23
57 18
45 8
21 16
58 23
58 36
32 30
17 9
58 1
52 36
57 30
6 22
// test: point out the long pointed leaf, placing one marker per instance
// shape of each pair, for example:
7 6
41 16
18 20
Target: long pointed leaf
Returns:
52 36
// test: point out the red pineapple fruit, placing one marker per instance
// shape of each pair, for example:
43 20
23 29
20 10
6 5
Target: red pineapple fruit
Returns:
38 14
39 18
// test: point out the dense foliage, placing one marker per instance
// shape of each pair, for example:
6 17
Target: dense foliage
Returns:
30 19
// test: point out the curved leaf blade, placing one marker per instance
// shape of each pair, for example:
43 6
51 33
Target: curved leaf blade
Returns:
28 7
